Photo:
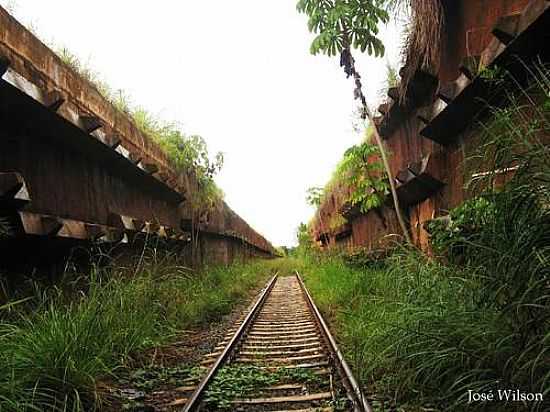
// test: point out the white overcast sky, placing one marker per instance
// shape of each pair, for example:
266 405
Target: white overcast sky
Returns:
238 73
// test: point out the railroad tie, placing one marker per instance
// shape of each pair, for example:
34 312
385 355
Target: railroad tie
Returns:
282 334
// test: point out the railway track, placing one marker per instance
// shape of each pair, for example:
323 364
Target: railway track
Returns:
282 358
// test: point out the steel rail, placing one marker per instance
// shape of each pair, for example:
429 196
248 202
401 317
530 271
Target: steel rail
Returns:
360 403
195 399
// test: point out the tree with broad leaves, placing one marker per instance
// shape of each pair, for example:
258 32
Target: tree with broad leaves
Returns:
314 197
343 25
305 242
363 176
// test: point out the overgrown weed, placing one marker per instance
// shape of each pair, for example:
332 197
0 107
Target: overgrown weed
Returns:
53 350
240 381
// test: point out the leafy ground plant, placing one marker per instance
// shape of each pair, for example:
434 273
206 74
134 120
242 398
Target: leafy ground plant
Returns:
155 377
137 383
236 381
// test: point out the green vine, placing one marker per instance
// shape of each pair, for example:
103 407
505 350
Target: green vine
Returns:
233 382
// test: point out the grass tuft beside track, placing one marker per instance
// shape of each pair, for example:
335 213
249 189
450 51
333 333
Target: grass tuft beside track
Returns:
55 345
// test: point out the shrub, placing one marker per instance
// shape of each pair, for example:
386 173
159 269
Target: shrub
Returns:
449 235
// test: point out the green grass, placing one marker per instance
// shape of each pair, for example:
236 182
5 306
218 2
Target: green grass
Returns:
422 333
52 352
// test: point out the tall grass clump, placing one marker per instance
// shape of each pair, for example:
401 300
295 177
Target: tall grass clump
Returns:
53 349
422 333
389 317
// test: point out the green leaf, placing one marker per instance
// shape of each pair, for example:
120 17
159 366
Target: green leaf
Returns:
333 21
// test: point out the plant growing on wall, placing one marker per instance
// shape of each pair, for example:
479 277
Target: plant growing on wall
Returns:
207 193
392 76
422 48
190 156
314 197
305 242
343 25
361 172
187 153
336 221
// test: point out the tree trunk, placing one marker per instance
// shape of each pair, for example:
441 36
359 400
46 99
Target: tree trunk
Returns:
348 62
195 230
384 156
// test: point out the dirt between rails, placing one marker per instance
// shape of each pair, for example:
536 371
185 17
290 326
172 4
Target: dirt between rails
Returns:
150 384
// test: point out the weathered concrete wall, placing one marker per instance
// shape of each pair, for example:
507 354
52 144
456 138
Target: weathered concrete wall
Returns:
216 248
428 135
223 220
73 166
42 70
69 183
